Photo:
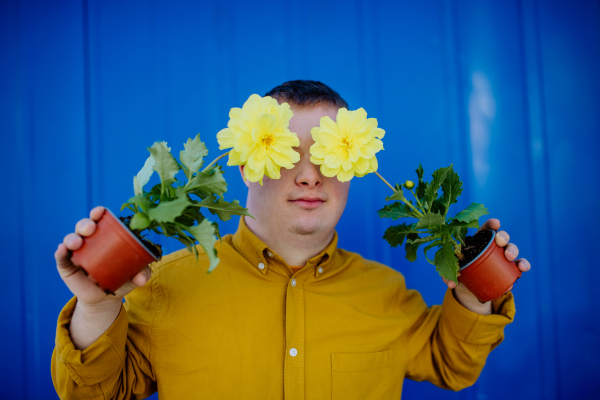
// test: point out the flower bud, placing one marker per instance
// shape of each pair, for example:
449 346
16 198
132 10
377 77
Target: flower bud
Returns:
409 184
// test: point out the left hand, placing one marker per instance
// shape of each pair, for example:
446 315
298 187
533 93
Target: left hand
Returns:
511 252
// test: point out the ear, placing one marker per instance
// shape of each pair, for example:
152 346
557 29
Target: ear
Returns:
246 182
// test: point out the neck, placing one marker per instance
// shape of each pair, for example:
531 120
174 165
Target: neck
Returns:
295 248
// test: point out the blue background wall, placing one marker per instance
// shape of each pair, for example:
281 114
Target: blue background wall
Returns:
508 91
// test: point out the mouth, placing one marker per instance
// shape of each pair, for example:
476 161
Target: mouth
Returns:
308 203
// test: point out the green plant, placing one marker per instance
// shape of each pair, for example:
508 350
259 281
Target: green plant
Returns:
172 207
432 226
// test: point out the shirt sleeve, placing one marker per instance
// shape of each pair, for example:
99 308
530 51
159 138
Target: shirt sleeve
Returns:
118 364
449 344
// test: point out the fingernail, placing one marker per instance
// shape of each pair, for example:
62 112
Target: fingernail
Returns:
510 254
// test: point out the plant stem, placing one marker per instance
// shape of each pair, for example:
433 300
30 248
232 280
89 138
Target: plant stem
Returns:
404 201
215 160
386 182
418 202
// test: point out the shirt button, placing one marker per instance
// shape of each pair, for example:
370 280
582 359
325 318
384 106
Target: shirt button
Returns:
293 284
320 269
270 254
293 352
261 266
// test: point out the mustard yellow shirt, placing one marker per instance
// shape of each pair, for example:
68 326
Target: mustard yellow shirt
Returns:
342 327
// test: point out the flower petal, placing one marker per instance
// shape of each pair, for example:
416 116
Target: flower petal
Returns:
345 176
361 166
333 160
225 138
329 172
234 158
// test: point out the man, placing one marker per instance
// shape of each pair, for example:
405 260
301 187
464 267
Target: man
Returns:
286 314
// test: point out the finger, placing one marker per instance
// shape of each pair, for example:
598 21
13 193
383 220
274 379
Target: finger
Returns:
85 227
511 252
509 289
502 238
96 213
523 265
73 241
142 277
491 223
63 258
450 283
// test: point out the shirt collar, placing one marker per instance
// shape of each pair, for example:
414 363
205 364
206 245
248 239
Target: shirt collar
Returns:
261 256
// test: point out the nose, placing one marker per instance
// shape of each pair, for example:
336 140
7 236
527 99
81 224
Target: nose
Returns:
307 173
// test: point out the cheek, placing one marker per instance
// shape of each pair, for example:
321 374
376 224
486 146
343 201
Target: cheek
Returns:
340 191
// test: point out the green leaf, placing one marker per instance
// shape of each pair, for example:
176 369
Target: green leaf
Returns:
432 245
192 157
460 232
446 263
140 180
438 207
398 195
208 183
217 233
420 190
186 240
187 244
432 188
420 172
190 216
412 245
166 166
139 222
471 213
205 235
141 201
395 235
396 210
222 208
452 187
472 224
167 211
431 220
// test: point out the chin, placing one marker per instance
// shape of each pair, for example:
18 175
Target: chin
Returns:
307 226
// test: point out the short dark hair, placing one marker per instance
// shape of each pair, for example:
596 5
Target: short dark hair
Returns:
307 93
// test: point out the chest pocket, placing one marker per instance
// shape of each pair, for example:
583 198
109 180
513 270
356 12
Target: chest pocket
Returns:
364 376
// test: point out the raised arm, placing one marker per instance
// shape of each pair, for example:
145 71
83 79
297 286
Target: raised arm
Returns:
99 352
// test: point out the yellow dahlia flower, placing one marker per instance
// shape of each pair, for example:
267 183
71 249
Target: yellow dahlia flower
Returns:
347 147
261 140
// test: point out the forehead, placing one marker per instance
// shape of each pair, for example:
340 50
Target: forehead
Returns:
307 117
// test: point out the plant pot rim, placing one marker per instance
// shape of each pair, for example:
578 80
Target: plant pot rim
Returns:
132 235
482 251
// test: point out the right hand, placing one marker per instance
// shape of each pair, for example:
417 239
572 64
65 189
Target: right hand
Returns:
88 294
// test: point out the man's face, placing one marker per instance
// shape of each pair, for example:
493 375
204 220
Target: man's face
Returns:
278 205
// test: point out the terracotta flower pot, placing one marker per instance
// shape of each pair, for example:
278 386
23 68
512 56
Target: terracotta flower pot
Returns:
490 274
112 254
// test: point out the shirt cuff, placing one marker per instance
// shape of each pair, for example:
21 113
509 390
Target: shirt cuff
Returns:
474 328
98 361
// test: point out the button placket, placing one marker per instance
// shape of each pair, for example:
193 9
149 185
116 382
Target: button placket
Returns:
294 375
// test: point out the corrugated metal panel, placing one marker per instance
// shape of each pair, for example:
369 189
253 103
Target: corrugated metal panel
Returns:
507 91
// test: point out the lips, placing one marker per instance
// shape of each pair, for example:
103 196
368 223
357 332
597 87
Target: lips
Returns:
308 202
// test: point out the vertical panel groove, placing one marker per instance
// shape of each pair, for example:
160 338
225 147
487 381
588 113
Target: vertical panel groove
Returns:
530 168
546 197
21 151
460 94
87 104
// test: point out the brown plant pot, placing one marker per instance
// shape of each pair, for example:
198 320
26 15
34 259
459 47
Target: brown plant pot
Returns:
490 274
112 254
